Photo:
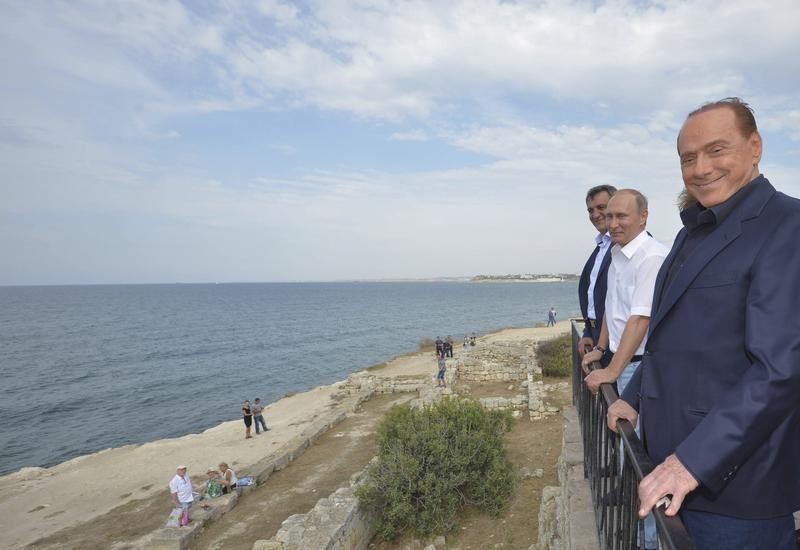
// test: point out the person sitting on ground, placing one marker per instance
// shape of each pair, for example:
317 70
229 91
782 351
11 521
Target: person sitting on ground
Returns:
227 477
214 486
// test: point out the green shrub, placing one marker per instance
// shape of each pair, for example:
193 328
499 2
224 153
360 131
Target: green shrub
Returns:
555 356
434 460
426 343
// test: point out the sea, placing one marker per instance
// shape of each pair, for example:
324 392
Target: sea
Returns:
86 368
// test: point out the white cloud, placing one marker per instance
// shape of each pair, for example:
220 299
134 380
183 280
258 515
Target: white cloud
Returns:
416 135
542 99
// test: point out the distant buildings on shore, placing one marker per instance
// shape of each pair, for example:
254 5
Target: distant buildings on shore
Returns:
526 278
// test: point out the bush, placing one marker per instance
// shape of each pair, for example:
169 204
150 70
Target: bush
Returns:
434 460
426 342
555 356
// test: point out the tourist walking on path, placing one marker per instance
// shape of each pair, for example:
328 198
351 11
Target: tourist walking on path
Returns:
180 487
247 416
551 317
258 416
442 369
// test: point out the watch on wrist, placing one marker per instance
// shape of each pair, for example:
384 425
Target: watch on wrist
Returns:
601 349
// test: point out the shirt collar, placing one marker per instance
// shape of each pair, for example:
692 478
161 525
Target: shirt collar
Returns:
630 249
698 215
602 239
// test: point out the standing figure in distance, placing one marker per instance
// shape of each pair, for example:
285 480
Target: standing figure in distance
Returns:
258 415
442 369
551 317
247 416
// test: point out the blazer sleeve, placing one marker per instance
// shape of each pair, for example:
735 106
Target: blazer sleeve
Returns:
746 414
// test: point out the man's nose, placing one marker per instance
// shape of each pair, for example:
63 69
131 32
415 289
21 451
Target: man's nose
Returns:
702 165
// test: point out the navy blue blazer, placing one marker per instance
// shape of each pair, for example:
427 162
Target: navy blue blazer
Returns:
719 384
600 287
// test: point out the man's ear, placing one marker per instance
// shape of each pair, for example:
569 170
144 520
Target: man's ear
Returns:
757 146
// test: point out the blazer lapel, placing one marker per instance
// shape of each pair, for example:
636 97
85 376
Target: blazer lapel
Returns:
706 250
583 285
661 278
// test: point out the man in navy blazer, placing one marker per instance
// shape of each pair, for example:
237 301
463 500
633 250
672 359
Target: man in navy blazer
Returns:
718 389
592 286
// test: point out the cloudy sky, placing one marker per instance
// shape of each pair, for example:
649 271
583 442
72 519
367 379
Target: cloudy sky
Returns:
271 140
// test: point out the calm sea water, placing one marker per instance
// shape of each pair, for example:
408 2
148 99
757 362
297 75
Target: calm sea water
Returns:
86 368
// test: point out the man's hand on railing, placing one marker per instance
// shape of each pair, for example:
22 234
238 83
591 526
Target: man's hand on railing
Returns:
621 410
668 478
597 377
589 358
583 343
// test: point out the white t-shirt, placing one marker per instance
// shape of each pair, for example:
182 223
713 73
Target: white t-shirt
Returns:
183 487
233 479
631 282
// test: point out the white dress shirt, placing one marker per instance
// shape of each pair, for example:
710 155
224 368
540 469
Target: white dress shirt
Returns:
631 282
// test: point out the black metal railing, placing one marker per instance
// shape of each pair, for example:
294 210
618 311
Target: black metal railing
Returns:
614 463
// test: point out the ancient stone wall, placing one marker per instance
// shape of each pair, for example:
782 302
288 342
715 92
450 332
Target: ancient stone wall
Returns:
337 522
519 402
566 515
369 383
498 361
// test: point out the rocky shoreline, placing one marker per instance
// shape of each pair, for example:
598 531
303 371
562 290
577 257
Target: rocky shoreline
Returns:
36 502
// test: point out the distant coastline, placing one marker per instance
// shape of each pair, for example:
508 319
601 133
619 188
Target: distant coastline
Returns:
526 278
518 278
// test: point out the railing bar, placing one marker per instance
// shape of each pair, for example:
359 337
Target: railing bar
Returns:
619 524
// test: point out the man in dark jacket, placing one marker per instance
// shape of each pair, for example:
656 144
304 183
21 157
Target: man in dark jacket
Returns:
592 286
718 386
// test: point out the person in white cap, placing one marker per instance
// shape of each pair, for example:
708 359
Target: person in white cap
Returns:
181 488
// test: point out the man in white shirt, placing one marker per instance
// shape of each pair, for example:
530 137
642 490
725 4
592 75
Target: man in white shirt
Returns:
636 258
180 487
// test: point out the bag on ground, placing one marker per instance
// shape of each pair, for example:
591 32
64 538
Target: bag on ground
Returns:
245 481
174 519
